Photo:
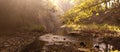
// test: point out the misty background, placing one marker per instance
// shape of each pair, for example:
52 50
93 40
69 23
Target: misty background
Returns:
16 14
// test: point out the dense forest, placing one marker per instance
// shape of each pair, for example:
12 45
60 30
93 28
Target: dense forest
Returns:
59 25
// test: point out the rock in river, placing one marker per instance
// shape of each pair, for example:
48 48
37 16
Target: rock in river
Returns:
52 43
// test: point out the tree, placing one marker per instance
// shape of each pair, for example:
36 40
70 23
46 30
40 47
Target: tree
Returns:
82 11
81 14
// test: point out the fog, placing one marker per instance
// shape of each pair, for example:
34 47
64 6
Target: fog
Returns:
22 13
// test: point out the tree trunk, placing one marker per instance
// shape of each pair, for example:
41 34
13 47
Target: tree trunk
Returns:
118 2
106 6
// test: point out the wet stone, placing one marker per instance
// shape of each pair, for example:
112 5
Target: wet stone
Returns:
60 43
52 43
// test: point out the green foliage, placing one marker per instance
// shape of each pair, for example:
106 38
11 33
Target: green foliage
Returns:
82 11
114 51
77 17
93 26
35 28
38 28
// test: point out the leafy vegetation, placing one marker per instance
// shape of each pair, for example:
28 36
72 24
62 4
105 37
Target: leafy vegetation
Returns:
115 51
35 28
93 26
81 15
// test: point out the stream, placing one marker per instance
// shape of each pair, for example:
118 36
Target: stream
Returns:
70 43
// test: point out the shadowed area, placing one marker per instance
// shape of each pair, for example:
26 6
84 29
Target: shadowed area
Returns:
16 14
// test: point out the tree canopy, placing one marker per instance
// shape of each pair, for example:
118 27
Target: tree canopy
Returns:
87 10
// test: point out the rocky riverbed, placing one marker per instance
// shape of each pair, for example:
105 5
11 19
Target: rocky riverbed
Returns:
47 42
72 42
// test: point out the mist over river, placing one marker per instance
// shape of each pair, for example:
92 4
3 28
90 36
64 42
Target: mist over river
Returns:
21 13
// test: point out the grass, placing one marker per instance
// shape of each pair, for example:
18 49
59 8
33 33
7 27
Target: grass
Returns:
35 28
93 26
114 51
